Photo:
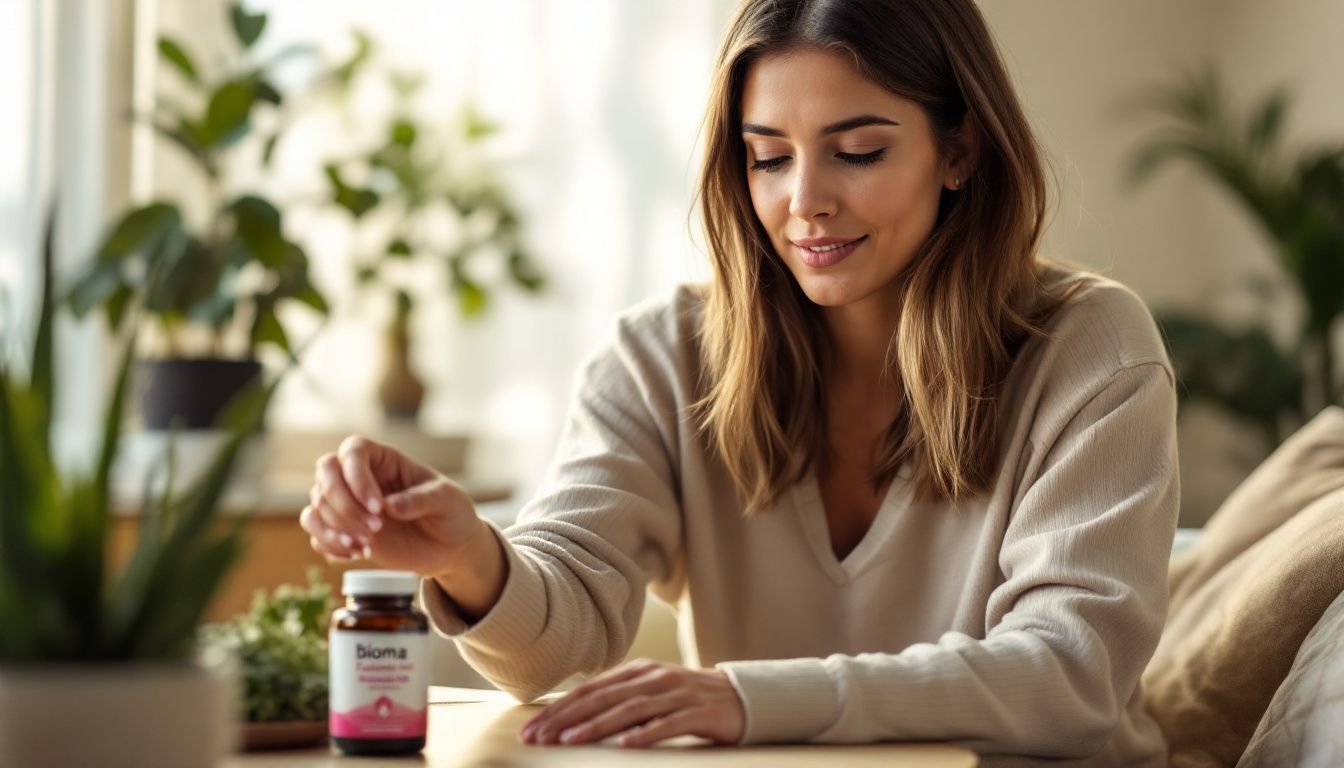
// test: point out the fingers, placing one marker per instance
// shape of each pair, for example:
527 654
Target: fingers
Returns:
323 540
631 713
356 457
587 700
417 501
641 704
667 726
349 516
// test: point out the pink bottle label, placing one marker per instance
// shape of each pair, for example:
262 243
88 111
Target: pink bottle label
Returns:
379 685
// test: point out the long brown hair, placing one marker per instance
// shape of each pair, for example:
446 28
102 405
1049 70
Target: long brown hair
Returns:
969 299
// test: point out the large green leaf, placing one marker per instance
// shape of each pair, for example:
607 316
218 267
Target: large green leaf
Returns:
139 228
226 116
256 221
43 379
246 26
170 50
266 329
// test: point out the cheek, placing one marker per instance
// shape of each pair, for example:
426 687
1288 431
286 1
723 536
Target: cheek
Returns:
902 200
771 195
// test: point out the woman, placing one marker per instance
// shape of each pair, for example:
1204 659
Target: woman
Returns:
901 478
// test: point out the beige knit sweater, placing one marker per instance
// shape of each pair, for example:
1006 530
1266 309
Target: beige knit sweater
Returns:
1016 624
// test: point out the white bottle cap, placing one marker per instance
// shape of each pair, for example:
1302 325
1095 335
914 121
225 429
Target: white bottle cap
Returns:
378 582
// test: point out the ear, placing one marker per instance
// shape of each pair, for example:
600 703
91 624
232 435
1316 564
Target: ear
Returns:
963 155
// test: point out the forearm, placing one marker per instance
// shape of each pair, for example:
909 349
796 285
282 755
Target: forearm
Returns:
1015 694
562 609
478 576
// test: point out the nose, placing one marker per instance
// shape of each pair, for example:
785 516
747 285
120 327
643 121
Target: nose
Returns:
812 194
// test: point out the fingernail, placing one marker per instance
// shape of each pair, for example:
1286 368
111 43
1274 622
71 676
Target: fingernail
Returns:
375 523
570 735
375 506
367 552
330 536
346 541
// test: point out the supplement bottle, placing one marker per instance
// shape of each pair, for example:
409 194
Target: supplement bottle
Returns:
379 666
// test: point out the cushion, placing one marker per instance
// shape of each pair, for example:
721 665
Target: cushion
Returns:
1302 725
1245 596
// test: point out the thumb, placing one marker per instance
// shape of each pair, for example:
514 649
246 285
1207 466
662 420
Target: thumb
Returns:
415 502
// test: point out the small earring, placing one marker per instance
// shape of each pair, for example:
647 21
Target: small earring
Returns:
956 183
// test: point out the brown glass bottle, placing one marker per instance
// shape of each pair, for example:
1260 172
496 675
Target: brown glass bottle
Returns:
379 666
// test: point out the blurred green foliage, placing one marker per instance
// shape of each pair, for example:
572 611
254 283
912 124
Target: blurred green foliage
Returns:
191 275
1299 204
419 169
60 599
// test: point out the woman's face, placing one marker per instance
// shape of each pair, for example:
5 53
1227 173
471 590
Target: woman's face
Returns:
834 159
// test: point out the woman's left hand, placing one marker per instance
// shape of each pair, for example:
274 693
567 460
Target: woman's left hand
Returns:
642 703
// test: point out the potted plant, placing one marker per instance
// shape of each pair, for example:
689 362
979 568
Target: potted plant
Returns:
1299 203
442 210
281 648
212 285
97 659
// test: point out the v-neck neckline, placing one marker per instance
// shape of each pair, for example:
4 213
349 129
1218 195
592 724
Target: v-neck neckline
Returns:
811 511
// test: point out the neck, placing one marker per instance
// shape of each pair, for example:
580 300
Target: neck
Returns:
858 337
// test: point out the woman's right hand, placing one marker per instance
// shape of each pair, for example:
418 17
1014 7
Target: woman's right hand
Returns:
370 500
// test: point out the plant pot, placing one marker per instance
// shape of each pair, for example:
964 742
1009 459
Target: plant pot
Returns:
191 393
133 714
285 734
400 392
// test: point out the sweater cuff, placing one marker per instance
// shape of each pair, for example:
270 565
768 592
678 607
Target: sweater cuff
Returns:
513 623
787 700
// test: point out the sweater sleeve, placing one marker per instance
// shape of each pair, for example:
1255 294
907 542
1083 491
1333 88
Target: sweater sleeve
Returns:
1070 629
605 522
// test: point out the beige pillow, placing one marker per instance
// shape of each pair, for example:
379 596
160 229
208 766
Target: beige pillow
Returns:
1306 467
1244 597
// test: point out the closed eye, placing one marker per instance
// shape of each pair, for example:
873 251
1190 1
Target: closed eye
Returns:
775 163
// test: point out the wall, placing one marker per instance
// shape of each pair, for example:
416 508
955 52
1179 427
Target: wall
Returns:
1178 240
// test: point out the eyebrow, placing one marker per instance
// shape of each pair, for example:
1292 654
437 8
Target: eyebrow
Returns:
847 124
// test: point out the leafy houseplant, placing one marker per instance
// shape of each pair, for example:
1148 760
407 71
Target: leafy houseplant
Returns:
1299 203
281 647
222 278
418 176
105 652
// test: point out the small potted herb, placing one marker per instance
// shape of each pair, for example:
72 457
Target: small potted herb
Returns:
280 646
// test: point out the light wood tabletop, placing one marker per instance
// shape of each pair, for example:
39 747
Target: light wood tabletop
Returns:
472 728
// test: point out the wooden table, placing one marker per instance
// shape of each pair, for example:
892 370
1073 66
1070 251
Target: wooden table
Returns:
479 729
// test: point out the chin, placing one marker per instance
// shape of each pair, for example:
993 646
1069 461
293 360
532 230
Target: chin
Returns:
830 292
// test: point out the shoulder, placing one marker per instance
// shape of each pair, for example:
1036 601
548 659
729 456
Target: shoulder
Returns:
1102 326
668 320
1101 338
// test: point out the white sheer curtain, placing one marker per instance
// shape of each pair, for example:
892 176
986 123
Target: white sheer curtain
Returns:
62 68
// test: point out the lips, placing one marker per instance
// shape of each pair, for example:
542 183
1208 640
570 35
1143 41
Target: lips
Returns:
826 252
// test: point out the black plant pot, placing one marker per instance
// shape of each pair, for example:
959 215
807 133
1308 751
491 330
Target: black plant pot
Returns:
191 393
